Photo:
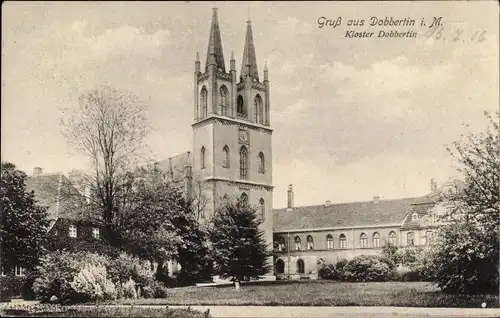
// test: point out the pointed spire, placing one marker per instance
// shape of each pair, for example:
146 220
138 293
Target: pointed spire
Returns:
197 63
249 62
215 42
232 63
266 74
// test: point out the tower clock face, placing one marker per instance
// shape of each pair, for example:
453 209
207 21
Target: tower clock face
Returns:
243 136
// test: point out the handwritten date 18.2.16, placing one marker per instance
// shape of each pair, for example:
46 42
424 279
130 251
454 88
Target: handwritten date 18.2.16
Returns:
440 33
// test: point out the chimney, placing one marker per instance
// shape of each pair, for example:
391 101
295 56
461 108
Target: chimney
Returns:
327 203
290 197
37 171
433 185
376 200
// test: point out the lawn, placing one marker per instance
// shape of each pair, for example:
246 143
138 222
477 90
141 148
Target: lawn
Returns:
40 310
320 293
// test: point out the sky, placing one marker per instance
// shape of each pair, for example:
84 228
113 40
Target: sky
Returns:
353 118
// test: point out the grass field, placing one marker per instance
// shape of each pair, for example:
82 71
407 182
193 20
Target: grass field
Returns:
320 293
100 311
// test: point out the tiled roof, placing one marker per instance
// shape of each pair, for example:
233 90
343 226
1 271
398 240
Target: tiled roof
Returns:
178 165
56 192
343 214
422 210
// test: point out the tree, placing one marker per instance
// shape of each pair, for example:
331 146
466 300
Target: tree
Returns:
198 198
24 223
192 250
108 126
146 228
160 225
465 258
238 246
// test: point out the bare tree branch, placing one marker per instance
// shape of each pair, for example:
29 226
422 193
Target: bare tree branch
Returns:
108 126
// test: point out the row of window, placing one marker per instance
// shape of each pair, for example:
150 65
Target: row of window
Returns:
363 240
241 110
226 163
73 232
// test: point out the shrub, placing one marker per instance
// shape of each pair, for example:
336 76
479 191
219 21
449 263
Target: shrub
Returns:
83 276
92 284
386 260
367 269
128 289
159 290
55 272
125 266
12 286
408 275
147 292
465 260
327 271
339 266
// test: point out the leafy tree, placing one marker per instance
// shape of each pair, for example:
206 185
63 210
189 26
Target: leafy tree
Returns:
108 126
239 249
24 223
465 258
146 229
161 225
391 251
192 249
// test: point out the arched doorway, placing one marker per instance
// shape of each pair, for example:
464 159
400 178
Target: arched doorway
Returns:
280 267
300 266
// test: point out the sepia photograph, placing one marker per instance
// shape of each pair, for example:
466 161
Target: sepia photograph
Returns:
205 159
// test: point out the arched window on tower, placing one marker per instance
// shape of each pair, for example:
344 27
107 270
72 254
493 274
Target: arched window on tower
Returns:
223 98
202 158
243 162
204 102
240 107
261 163
298 245
225 162
310 242
244 198
262 209
258 109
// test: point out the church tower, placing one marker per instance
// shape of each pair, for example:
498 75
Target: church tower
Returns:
232 151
